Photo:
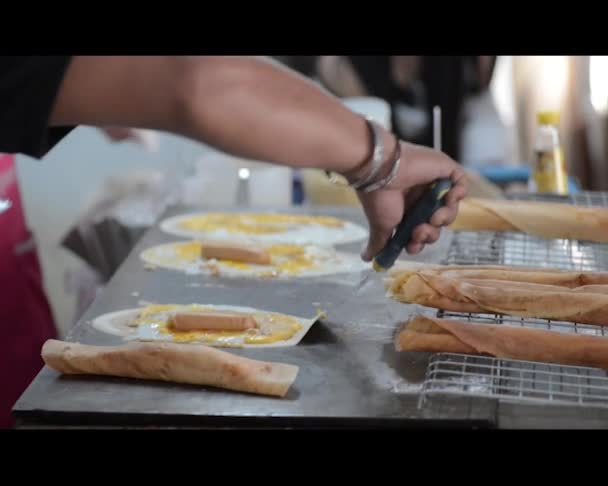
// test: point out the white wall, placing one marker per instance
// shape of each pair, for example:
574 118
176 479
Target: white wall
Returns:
56 189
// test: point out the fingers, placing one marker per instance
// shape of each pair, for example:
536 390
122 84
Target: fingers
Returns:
414 248
423 165
444 216
424 234
385 208
378 237
459 188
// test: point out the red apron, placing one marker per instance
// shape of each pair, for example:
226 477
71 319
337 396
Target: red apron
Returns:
25 316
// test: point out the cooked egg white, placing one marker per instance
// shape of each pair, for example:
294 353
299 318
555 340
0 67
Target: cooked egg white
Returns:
265 227
270 327
253 223
286 259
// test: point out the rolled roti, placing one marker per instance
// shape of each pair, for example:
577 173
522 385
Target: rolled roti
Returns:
179 363
502 341
549 276
543 219
568 296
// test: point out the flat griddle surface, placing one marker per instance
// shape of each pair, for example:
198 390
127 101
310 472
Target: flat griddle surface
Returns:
349 375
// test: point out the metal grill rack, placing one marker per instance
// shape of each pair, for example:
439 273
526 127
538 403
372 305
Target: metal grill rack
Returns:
512 380
546 324
519 249
515 380
597 199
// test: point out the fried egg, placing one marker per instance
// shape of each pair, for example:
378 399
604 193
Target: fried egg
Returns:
153 323
265 227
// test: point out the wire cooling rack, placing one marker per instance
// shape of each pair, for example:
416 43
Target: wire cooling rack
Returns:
515 380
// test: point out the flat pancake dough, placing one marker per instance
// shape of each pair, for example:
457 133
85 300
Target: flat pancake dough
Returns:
543 219
290 328
170 362
502 341
506 292
288 261
266 228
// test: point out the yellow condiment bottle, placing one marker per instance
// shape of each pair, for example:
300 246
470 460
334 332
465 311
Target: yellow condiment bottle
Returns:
549 173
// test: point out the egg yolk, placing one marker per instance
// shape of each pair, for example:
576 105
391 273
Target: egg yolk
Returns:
255 223
286 259
270 327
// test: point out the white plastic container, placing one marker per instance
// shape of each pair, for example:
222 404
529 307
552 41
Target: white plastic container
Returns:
222 180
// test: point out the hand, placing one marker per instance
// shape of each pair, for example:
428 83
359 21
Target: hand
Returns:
385 207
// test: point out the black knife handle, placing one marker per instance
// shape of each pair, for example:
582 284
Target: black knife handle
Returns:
421 212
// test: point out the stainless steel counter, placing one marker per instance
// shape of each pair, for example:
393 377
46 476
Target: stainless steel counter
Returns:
350 375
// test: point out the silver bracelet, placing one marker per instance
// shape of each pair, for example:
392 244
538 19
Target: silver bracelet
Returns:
390 177
377 156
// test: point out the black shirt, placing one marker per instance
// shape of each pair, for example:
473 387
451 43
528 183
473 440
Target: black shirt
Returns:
444 81
28 88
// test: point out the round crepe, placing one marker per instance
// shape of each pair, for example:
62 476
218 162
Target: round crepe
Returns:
121 323
265 227
288 261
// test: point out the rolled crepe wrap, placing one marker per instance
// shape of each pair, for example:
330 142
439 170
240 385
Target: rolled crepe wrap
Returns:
179 363
518 294
543 219
502 341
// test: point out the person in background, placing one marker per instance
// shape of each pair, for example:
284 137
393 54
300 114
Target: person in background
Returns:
26 320
246 106
413 85
305 65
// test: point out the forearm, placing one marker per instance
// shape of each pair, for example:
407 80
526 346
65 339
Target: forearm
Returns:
260 110
257 110
245 106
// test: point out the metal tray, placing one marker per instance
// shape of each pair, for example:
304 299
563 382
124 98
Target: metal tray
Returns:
350 374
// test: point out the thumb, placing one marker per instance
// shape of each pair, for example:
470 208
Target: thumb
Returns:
378 237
